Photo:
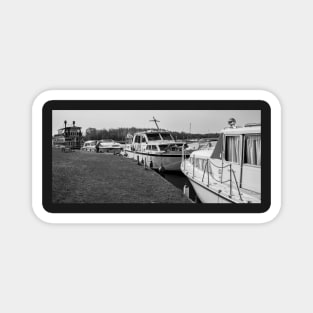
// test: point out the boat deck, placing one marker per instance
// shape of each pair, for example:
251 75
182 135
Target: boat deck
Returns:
220 188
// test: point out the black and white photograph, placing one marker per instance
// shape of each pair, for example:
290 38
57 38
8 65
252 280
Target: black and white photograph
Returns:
156 156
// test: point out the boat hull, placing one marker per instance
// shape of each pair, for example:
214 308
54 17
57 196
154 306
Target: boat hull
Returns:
158 162
206 195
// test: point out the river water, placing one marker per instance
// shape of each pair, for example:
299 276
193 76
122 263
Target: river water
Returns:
178 179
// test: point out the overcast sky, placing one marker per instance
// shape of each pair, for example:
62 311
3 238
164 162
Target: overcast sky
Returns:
201 121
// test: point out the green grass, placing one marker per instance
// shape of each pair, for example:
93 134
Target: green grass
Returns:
86 177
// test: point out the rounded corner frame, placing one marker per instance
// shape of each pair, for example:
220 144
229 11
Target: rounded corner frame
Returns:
153 218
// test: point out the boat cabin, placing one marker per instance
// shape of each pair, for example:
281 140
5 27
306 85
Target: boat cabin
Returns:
239 148
149 136
89 145
155 141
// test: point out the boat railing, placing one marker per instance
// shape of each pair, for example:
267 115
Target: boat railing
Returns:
210 174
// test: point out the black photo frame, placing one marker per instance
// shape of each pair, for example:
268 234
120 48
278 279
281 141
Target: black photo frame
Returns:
107 208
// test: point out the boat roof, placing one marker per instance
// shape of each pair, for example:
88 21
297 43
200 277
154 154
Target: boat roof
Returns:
153 131
253 129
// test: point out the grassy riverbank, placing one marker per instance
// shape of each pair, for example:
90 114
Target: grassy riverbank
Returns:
86 177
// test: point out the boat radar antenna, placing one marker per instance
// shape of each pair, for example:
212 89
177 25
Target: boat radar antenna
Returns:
156 122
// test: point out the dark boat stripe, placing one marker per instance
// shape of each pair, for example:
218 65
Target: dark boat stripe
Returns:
156 155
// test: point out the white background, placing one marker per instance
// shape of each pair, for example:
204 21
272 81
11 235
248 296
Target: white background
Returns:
155 45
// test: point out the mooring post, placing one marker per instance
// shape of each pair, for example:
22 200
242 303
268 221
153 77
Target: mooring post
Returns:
186 191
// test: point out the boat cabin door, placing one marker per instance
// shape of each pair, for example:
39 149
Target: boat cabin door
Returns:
232 155
251 163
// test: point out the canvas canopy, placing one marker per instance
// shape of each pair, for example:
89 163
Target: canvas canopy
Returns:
217 153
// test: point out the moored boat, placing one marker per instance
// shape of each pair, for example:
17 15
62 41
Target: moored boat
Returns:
157 149
230 171
103 145
109 146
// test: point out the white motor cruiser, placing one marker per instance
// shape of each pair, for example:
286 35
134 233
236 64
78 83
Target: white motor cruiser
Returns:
109 146
156 149
229 172
103 145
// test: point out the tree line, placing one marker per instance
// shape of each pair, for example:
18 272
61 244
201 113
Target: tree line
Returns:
119 134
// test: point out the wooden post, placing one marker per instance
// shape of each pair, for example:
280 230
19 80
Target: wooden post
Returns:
186 191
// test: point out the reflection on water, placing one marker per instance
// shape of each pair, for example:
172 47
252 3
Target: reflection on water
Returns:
178 179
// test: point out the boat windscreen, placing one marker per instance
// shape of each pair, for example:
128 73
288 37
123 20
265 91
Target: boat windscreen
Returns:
166 136
153 136
218 150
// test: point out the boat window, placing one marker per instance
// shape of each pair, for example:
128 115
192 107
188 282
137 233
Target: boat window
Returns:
197 163
152 147
252 153
232 149
164 147
153 136
166 136
137 139
143 139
